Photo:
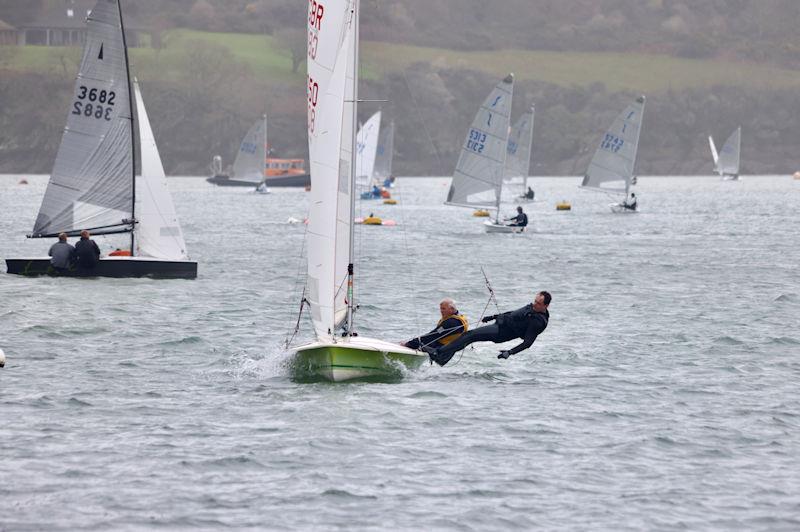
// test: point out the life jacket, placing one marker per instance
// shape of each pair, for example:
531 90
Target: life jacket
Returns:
449 338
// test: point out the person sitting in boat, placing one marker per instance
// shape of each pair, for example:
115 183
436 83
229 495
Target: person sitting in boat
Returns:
630 204
451 326
528 194
525 323
87 254
62 254
520 220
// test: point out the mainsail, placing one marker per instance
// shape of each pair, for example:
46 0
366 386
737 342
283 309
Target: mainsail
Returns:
252 156
615 158
520 141
367 149
330 131
91 186
478 178
158 233
384 154
727 163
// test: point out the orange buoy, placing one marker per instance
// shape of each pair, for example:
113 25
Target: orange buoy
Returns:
120 253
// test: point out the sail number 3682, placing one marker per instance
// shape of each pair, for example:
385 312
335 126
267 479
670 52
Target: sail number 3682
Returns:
94 103
476 141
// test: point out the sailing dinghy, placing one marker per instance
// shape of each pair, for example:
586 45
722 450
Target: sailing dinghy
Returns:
93 184
384 157
518 159
726 162
478 178
250 162
611 168
366 154
338 353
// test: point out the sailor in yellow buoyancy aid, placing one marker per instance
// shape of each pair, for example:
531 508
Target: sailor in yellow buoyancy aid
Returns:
451 326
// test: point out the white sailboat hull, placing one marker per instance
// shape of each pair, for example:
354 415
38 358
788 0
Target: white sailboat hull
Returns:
493 227
619 208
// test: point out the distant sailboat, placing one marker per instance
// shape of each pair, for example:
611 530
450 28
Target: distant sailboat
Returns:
726 163
366 154
478 178
93 185
518 159
385 156
250 162
611 168
338 353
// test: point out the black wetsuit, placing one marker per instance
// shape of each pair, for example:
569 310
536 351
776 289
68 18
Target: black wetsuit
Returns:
87 254
523 323
446 328
529 194
520 220
630 206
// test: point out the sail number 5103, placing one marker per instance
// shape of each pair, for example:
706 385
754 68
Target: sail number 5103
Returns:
94 103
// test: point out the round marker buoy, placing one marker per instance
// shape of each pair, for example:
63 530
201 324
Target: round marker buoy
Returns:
2 358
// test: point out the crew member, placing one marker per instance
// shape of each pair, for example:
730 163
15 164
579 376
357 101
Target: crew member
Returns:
631 203
525 323
451 326
61 254
87 253
520 220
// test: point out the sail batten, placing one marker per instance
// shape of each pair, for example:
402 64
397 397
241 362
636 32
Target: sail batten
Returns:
92 178
478 177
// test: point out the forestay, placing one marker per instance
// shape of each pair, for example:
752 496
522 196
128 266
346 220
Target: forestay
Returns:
615 158
330 42
520 141
252 156
478 178
158 233
367 149
728 163
91 186
384 153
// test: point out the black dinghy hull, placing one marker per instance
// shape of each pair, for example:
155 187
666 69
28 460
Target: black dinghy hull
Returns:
225 181
108 267
299 180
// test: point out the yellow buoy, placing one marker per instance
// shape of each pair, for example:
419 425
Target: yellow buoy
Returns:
563 206
372 220
390 202
481 213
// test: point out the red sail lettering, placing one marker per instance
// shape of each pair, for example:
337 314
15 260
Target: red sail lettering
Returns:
315 13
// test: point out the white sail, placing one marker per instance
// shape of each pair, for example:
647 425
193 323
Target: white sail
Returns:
611 168
91 186
251 159
158 233
330 42
478 178
367 149
384 154
520 142
714 154
728 162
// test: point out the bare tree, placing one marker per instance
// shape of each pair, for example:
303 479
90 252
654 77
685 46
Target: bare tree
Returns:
292 41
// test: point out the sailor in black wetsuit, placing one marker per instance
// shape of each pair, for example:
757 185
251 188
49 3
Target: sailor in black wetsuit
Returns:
520 220
525 323
528 194
451 326
630 204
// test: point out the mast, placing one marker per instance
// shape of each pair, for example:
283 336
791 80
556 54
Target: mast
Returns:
499 189
133 133
266 151
530 154
351 256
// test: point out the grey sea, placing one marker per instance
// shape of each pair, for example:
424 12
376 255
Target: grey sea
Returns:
662 396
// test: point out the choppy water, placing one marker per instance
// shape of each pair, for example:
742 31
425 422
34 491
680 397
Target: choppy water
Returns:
663 396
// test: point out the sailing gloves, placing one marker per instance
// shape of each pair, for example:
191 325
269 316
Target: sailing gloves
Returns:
504 354
487 319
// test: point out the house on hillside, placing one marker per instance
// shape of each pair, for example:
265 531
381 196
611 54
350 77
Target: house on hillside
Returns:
8 34
63 23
